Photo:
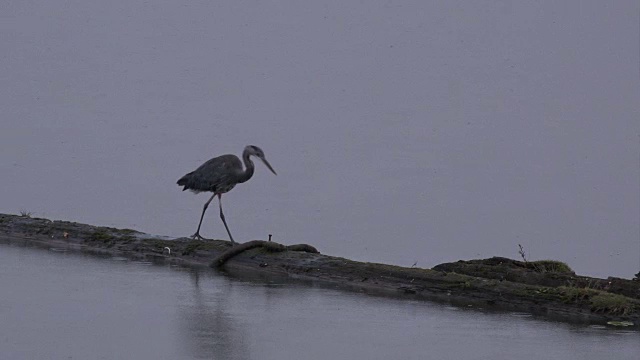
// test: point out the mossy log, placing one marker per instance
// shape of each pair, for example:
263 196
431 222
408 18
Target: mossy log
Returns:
546 288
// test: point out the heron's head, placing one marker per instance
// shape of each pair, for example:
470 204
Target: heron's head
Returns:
257 152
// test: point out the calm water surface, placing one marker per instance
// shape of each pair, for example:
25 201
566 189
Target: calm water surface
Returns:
405 132
67 306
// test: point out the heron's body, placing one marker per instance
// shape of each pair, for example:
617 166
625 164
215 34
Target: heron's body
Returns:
219 175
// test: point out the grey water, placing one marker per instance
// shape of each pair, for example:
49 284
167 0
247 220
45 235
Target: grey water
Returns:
56 305
402 132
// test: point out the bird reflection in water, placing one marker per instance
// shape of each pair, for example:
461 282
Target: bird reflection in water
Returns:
209 331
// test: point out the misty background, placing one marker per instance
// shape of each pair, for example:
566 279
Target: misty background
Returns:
402 132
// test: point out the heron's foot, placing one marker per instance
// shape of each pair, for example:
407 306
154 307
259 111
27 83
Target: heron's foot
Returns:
197 236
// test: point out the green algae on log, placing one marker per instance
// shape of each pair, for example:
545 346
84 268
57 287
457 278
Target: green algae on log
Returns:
545 288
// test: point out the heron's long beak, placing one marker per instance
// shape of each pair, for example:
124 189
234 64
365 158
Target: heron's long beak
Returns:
268 165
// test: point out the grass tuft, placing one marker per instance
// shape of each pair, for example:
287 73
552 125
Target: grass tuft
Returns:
598 301
544 266
611 304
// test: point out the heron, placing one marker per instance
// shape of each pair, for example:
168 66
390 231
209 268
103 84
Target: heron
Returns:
219 175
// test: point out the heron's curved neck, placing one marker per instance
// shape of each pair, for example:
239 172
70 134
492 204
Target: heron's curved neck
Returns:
249 168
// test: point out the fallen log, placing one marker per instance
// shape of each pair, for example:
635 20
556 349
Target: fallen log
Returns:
548 288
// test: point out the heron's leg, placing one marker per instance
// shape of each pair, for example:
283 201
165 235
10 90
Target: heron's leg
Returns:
206 205
223 220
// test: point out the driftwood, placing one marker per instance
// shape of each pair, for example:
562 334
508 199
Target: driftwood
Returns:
267 245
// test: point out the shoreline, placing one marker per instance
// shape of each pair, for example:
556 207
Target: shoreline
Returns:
544 289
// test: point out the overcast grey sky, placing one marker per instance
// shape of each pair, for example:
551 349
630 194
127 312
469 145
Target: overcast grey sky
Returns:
401 131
